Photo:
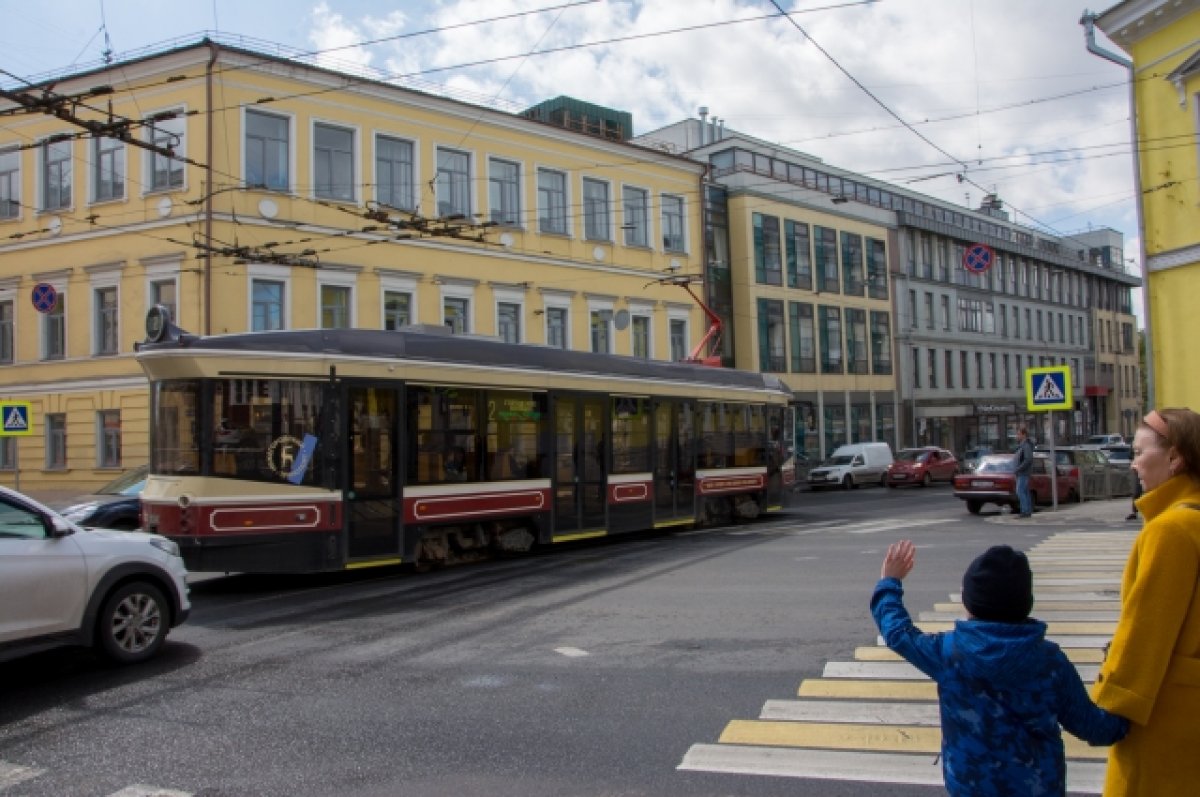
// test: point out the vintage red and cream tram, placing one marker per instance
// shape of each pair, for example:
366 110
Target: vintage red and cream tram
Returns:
314 450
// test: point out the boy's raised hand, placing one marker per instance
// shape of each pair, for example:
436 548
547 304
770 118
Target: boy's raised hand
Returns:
899 561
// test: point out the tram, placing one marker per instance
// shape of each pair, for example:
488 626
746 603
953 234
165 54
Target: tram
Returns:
319 450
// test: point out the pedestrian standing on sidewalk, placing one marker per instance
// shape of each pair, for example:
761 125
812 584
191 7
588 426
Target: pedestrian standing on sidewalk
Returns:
1003 688
1152 672
1024 467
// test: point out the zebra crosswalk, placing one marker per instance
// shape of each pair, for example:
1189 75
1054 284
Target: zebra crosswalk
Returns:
874 719
13 776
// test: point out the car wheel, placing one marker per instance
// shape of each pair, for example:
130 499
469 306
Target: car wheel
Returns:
847 482
133 623
974 506
926 480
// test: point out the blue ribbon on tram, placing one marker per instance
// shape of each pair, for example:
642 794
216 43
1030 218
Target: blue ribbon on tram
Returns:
300 465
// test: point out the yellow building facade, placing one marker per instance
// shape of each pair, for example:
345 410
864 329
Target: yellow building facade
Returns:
1163 40
301 197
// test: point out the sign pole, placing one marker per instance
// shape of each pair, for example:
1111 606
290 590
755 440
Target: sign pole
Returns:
1053 466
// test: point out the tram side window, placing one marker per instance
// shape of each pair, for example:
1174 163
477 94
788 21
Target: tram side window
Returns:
260 429
630 434
715 444
175 413
516 424
749 435
443 425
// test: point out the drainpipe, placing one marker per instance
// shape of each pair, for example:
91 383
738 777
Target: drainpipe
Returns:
1088 21
208 172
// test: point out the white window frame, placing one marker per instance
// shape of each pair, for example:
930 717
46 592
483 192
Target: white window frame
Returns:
601 305
291 146
517 221
646 215
44 147
100 439
172 128
510 296
14 178
472 200
56 441
355 149
60 286
607 235
102 281
466 292
336 279
683 223
161 272
557 302
566 201
272 273
680 314
118 151
646 311
397 283
413 190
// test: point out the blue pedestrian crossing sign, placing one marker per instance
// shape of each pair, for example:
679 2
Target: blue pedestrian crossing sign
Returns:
1048 388
16 419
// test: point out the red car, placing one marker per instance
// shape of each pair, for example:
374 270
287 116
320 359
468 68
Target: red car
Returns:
994 482
921 466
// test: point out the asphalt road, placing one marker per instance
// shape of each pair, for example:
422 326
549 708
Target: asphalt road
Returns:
588 670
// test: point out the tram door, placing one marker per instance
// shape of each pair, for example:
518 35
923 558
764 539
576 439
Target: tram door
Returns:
579 482
372 505
674 461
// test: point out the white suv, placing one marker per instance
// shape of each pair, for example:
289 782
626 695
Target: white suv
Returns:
119 591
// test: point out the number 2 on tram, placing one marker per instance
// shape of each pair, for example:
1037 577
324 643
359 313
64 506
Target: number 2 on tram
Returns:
315 450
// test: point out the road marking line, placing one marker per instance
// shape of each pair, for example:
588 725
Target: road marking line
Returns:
925 714
903 671
12 774
1052 629
880 653
908 769
1045 616
1053 605
1063 640
138 790
868 690
572 653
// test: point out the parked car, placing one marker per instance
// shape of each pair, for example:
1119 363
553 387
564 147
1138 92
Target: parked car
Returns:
852 465
970 458
1090 473
921 466
994 481
116 505
1106 440
60 584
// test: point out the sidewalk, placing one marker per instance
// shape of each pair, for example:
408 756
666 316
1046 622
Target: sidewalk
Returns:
1108 510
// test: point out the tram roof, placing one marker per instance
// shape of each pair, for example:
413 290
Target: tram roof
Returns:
424 344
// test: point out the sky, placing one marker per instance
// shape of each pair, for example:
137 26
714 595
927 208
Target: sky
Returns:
1001 93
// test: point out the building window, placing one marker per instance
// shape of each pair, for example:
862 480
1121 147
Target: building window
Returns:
267 151
1007 378
266 302
596 223
556 327
108 169
333 162
640 330
799 255
1003 313
167 172
679 339
945 312
453 183
853 277
105 311
877 276
771 336
54 330
857 354
881 343
8 453
56 441
768 267
825 255
397 309
929 317
992 368
601 331
164 292
108 439
931 358
636 218
56 175
803 338
504 192
456 314
7 340
949 365
963 370
672 224
394 172
508 321
831 340
979 370
916 366
335 307
10 184
552 202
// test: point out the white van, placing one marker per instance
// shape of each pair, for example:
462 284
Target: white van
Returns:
852 465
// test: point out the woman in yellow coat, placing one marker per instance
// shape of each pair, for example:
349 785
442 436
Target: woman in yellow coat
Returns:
1152 672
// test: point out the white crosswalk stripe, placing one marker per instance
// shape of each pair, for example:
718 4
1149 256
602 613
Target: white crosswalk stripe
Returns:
863 527
15 775
875 719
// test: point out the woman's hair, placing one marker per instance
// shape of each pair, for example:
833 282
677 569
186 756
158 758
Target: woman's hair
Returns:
1182 432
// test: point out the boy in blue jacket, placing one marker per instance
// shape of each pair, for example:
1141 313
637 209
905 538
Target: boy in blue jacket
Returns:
1003 688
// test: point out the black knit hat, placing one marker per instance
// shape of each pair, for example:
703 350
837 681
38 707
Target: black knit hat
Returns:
998 586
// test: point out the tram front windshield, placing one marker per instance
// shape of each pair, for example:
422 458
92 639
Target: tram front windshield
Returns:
255 429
